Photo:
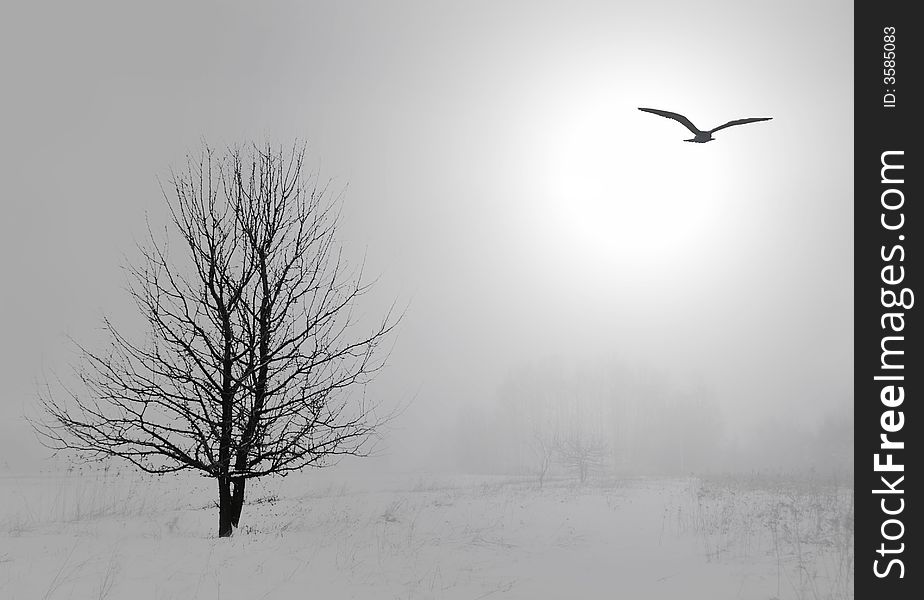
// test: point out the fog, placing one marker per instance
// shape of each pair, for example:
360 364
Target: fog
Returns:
568 265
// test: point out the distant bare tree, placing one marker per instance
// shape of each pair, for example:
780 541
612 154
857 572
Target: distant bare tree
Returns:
583 453
545 445
253 350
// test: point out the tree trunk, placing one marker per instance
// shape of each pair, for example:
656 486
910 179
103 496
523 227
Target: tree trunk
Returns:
237 500
225 528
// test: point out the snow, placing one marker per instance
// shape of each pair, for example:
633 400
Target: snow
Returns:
328 534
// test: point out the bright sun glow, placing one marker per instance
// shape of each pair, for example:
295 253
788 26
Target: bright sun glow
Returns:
622 185
616 186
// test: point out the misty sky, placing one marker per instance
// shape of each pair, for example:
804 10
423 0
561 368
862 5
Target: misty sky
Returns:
498 178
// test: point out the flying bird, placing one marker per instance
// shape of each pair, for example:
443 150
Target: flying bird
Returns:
701 136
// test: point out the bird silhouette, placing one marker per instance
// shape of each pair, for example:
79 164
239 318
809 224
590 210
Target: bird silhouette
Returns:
701 136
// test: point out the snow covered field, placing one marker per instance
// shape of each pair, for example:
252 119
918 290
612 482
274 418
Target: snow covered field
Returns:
333 535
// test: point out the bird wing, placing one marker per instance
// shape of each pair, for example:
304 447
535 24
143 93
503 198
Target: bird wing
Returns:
740 122
671 115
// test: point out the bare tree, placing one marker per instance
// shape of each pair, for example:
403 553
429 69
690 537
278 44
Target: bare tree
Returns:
255 363
583 453
544 444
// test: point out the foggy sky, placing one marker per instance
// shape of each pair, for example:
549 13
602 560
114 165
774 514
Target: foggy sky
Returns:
497 177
